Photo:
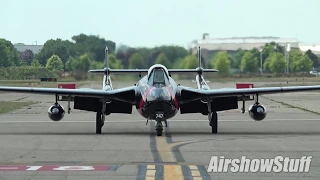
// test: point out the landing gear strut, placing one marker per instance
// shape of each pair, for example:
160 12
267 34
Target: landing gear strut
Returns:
213 121
159 126
213 118
100 117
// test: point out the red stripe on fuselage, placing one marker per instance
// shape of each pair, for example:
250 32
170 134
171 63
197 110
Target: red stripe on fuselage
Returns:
173 97
144 97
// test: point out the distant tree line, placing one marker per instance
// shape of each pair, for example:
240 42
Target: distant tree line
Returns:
86 52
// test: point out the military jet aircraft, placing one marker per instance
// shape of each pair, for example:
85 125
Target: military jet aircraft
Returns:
157 96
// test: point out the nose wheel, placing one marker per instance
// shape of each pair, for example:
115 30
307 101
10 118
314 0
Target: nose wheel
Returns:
159 126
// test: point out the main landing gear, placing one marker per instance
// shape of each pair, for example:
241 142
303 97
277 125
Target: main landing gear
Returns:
100 118
213 118
213 122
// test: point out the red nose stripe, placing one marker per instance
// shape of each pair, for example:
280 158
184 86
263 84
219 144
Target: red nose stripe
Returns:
144 97
147 92
173 97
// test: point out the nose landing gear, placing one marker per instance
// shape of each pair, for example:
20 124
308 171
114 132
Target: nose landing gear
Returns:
159 126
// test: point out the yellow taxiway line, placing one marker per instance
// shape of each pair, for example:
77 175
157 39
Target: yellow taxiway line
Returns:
171 172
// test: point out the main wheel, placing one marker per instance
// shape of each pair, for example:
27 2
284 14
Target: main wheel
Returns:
159 132
99 122
214 123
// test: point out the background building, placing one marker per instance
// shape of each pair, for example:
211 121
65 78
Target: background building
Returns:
314 48
209 47
22 47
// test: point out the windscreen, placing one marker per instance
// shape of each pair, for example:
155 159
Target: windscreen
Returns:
158 76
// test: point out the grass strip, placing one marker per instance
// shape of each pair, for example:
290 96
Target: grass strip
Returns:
7 106
292 106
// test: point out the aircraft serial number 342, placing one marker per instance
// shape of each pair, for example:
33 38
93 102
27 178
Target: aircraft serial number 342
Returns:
157 96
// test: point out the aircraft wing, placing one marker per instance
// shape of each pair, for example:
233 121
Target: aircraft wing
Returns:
120 71
123 94
190 70
191 94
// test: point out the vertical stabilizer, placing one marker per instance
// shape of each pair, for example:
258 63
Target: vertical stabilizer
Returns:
107 58
199 57
107 85
201 82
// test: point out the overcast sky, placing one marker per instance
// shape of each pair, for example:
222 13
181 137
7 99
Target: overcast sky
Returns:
152 23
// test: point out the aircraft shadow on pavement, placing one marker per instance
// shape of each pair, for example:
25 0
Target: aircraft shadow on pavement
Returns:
168 134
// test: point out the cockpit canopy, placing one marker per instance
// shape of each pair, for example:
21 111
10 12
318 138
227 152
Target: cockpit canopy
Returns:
158 75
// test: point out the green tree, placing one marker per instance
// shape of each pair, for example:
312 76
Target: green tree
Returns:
94 45
94 65
268 49
190 62
121 47
9 56
53 47
80 64
172 52
114 63
4 59
256 53
162 59
136 62
124 56
54 63
314 58
150 55
27 56
35 63
248 63
222 62
275 63
299 62
178 64
237 59
23 63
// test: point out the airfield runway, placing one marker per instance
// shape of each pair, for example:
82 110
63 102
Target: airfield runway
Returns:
33 147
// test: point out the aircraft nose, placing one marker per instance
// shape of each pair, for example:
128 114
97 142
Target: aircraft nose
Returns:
158 94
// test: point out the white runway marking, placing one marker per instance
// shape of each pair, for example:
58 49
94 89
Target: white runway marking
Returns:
49 121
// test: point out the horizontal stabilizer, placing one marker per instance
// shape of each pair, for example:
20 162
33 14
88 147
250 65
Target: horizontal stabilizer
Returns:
134 71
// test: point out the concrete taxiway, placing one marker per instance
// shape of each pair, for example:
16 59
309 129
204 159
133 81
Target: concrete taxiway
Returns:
33 147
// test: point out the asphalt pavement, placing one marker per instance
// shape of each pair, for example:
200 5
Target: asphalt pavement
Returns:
36 148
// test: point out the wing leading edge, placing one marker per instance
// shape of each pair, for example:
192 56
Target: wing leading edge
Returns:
190 94
123 94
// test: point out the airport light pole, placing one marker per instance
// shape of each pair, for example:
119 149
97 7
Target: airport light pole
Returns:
285 59
260 50
288 50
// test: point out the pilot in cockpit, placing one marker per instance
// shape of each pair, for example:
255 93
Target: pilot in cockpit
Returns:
158 77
